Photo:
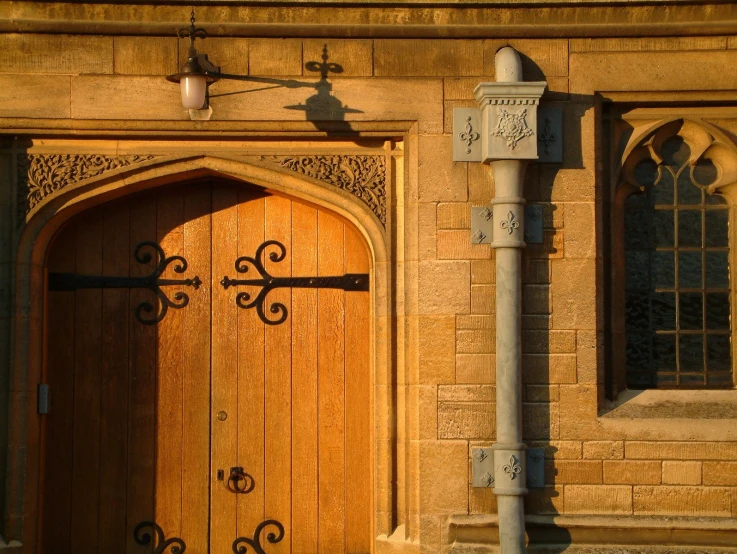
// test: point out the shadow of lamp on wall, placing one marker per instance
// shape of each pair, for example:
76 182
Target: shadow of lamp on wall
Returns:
198 73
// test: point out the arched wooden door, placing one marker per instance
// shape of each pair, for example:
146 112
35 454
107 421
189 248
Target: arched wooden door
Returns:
148 421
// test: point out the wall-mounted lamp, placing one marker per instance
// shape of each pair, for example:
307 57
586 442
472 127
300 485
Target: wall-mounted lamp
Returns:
196 73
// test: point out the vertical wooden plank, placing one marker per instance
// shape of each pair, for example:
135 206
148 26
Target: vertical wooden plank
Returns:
331 389
87 343
224 366
251 208
169 223
358 470
114 382
58 424
143 371
278 378
196 371
304 382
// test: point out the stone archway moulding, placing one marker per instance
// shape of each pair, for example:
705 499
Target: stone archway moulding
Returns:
52 188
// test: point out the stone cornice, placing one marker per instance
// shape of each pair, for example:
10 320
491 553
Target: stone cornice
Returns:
428 19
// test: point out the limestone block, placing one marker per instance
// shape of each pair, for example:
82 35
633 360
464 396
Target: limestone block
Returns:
544 342
475 321
466 393
655 44
629 472
540 420
437 350
582 472
229 53
427 230
457 245
466 420
428 411
28 53
440 178
475 342
536 271
373 99
430 535
578 403
633 71
275 56
670 450
566 185
603 450
559 450
353 56
443 482
580 237
536 322
461 88
720 473
540 58
546 500
535 299
598 499
682 501
483 271
554 368
420 58
732 42
573 293
37 96
475 368
589 354
445 287
551 247
454 215
129 97
542 393
145 56
681 473
483 299
480 184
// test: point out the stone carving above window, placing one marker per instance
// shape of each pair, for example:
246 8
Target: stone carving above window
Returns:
40 175
362 176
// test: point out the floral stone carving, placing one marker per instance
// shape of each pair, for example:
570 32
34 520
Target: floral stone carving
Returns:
40 175
362 176
512 127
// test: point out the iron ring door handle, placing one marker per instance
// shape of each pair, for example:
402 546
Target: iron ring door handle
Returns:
240 482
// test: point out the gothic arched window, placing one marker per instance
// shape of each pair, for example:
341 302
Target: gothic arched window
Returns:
676 271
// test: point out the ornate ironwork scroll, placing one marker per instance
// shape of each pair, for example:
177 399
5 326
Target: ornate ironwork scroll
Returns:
241 544
347 282
152 281
175 545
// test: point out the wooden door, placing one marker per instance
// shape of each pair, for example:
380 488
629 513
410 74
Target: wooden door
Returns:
143 416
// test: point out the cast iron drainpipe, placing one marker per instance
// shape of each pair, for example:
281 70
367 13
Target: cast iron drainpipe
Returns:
509 450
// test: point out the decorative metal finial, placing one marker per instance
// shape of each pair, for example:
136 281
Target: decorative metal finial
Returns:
192 32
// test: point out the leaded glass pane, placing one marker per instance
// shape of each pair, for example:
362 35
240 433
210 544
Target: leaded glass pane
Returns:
718 353
691 352
716 228
664 269
688 193
635 229
717 311
637 264
689 270
689 228
661 194
717 270
663 311
662 233
664 352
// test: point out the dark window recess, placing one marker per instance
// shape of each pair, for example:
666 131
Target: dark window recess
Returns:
678 307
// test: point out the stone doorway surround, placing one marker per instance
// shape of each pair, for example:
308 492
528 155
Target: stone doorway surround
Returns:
363 180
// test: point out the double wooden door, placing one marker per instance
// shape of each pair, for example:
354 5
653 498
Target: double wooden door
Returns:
146 421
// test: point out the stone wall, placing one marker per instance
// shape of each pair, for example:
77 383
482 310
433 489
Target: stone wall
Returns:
664 454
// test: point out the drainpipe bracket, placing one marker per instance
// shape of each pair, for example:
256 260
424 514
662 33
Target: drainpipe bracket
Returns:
485 471
482 227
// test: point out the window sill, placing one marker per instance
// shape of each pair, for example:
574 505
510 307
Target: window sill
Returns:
670 415
669 404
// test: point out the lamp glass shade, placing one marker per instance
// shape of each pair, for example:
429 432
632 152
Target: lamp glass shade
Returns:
193 91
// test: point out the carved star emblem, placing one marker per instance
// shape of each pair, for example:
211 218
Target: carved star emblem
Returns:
512 127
